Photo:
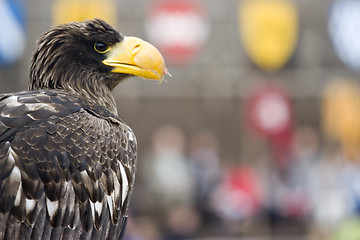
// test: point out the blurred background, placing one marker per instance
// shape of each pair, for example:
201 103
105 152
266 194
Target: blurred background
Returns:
257 133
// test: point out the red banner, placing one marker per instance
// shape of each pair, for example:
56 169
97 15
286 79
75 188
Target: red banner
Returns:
269 112
178 28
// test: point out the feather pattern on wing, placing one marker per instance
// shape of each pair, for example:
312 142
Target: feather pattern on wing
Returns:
63 169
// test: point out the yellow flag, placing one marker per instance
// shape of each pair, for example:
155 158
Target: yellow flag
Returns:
65 11
341 115
269 31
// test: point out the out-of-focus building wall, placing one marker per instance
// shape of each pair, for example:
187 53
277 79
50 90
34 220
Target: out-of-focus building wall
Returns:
218 78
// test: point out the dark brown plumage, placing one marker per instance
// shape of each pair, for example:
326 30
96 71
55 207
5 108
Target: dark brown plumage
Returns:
67 162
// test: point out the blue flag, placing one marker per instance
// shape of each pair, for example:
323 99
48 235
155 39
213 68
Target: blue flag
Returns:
12 31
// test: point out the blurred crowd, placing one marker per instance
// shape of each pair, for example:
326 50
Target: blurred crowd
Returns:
185 191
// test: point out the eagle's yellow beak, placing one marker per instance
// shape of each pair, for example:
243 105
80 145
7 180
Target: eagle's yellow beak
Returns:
137 57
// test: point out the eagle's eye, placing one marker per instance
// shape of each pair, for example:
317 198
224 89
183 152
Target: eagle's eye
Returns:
101 47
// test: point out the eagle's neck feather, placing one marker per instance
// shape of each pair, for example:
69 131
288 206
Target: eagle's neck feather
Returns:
84 84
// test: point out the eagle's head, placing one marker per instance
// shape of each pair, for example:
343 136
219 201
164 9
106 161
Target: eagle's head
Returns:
91 58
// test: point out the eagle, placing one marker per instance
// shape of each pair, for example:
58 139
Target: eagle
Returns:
67 161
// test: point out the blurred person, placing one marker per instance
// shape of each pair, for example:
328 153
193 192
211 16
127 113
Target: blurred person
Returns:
286 204
205 166
288 200
299 180
335 193
166 177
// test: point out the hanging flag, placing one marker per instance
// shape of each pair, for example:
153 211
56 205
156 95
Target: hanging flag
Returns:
269 31
269 113
341 115
344 31
12 31
65 11
179 28
269 110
